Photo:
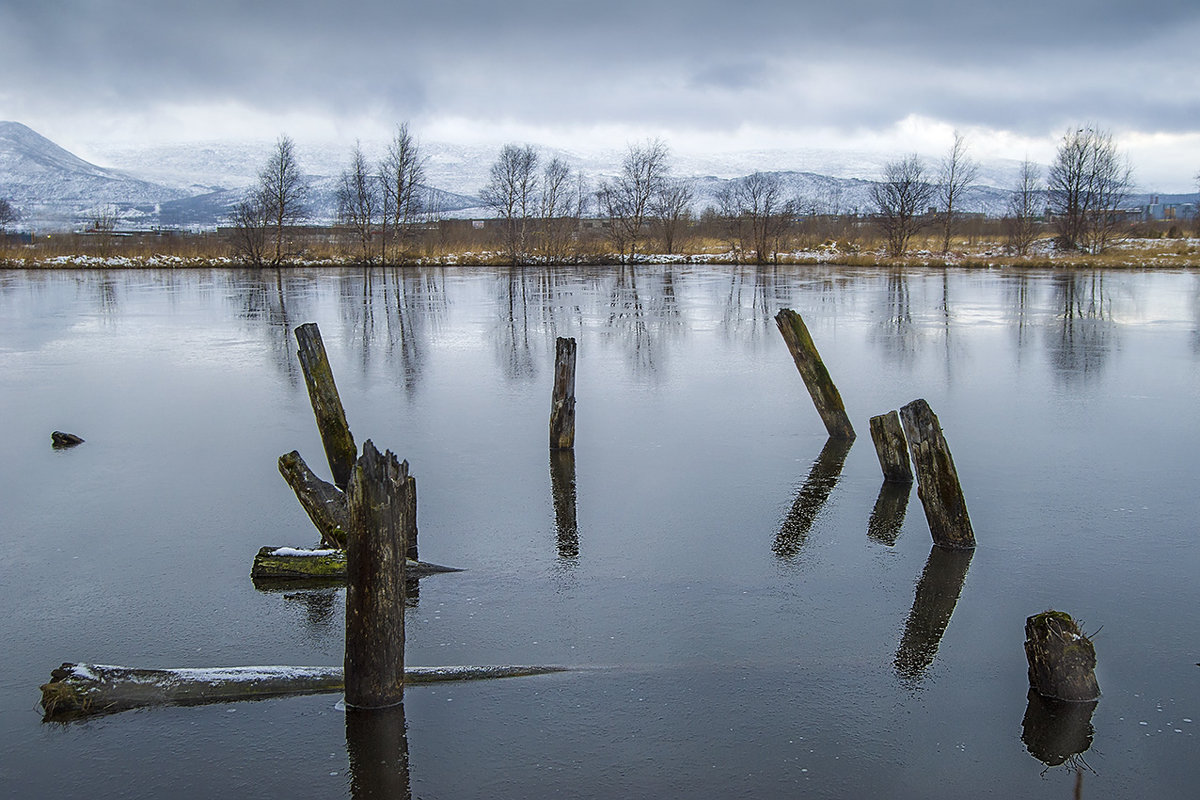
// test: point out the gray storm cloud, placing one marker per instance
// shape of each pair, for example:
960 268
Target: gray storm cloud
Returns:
1021 65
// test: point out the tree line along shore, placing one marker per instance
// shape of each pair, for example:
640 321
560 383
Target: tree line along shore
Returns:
541 211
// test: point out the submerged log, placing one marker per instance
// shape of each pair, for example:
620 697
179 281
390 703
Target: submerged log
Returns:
937 480
61 440
324 503
820 386
82 690
562 401
326 404
375 561
291 563
1062 660
892 448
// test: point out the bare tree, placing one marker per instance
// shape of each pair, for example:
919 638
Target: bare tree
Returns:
1197 217
402 172
283 192
958 171
557 224
8 214
756 212
512 192
625 200
901 199
102 222
250 221
1086 185
671 212
359 200
1025 205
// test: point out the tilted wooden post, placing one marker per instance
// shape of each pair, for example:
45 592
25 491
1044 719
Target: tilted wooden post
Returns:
327 406
892 448
1062 660
375 561
322 501
825 395
562 402
937 480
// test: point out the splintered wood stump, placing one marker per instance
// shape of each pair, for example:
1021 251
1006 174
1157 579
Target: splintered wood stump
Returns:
324 503
825 395
375 561
1062 660
562 401
892 448
76 691
937 480
327 406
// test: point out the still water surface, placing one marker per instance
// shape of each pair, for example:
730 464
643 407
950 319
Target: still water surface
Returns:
752 616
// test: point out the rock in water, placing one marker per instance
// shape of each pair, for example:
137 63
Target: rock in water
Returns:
60 439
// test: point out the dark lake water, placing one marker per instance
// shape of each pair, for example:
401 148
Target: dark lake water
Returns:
746 624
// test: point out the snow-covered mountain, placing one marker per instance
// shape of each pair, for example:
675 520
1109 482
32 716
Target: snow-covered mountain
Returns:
50 185
196 184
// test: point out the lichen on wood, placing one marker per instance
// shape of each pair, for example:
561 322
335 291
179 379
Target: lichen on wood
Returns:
937 479
326 404
825 395
288 563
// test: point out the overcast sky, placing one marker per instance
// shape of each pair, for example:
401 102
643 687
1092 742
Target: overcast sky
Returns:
889 76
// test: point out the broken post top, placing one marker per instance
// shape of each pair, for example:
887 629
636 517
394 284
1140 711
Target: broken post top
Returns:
820 386
327 406
1062 659
892 448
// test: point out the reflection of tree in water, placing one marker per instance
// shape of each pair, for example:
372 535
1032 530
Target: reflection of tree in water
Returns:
377 747
267 299
513 348
937 594
750 304
643 311
811 498
1017 301
895 331
1086 334
396 307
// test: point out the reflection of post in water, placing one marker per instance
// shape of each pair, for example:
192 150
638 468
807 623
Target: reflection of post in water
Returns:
1056 732
887 518
562 486
823 476
937 593
377 744
320 607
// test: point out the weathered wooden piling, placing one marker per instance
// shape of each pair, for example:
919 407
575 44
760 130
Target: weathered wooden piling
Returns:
820 386
562 401
1062 660
324 503
327 406
375 561
937 480
892 448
